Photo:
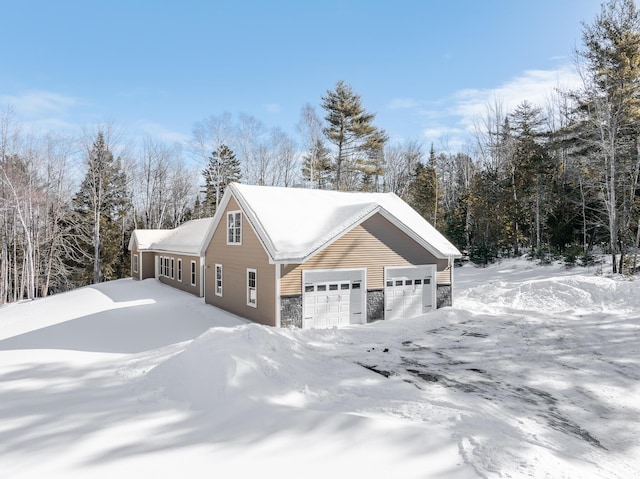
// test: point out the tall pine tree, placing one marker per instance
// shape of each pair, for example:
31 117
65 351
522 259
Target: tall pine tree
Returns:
223 169
350 128
425 190
316 165
532 171
100 208
609 105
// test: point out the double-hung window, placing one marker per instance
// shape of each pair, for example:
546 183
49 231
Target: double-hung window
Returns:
172 268
161 266
218 280
180 269
193 273
135 263
252 288
234 227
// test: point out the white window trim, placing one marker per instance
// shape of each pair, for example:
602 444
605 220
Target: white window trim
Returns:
218 290
135 263
193 272
234 213
161 266
255 303
172 269
180 270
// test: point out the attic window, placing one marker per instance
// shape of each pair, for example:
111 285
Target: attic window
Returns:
234 227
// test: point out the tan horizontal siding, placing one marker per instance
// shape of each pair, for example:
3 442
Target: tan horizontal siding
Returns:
444 277
374 244
147 262
235 259
185 284
146 265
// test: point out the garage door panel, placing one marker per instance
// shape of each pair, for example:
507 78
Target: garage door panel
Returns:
409 291
333 297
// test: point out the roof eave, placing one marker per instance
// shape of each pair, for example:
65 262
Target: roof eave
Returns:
419 239
255 223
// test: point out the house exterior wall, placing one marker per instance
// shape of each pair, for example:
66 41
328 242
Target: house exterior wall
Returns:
146 263
373 244
185 284
235 259
134 252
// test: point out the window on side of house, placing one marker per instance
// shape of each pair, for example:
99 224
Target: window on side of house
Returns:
193 273
252 287
218 280
179 269
166 266
234 227
172 268
135 263
161 261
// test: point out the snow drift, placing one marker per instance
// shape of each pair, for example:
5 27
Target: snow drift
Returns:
556 294
534 372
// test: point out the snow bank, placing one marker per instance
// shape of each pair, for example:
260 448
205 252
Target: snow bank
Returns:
555 294
276 366
123 316
534 372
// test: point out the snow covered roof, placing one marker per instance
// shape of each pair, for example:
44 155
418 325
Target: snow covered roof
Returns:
145 238
188 238
295 223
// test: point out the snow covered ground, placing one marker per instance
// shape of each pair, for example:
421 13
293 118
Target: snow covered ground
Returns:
534 373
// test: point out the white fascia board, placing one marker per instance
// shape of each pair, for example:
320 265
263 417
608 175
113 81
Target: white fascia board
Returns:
330 241
391 218
248 213
202 272
131 240
413 235
278 301
255 223
171 251
216 220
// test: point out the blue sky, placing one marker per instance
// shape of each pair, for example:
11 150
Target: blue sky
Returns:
426 68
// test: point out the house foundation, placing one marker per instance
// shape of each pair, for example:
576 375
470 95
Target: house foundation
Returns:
443 295
291 311
375 305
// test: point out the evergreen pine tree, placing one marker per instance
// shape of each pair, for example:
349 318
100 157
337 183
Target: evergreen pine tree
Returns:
223 169
532 171
99 224
424 192
350 128
609 107
316 165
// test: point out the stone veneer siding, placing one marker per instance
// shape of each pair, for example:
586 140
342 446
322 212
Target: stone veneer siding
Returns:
443 295
291 306
291 311
375 305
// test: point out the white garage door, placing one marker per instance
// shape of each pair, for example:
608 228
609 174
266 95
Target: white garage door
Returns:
333 298
409 291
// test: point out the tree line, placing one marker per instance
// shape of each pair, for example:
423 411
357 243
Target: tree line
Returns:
558 180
